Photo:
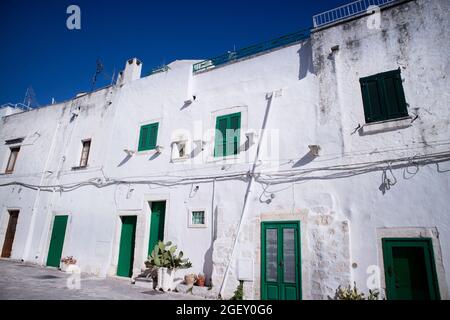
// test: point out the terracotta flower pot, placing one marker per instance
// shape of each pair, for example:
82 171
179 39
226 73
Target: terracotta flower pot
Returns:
201 281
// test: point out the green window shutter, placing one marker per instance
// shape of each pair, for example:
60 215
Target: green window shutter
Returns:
227 135
221 131
383 97
153 136
233 138
394 97
143 138
148 137
372 99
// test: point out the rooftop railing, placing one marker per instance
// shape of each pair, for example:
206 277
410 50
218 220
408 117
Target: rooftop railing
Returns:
250 51
347 11
20 106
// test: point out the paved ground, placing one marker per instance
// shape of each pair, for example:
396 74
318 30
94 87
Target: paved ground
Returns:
25 281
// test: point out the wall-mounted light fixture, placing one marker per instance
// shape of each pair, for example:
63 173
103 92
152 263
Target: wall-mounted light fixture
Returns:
314 150
129 153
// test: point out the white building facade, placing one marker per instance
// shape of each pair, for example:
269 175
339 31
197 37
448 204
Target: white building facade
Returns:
339 171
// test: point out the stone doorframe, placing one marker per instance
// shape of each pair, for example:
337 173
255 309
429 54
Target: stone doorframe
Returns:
414 233
4 221
320 257
142 233
304 252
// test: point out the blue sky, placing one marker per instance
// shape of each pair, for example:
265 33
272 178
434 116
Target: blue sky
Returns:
38 50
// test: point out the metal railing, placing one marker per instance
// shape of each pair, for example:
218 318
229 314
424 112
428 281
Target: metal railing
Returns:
347 11
20 106
250 51
159 70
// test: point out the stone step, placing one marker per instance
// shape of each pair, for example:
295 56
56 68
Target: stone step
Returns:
144 282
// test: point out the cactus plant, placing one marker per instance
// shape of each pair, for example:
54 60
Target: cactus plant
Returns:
164 259
349 293
163 256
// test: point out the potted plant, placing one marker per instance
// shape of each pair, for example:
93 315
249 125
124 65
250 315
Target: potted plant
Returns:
164 259
66 262
189 279
201 280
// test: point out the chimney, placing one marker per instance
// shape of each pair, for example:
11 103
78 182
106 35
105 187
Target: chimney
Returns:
132 71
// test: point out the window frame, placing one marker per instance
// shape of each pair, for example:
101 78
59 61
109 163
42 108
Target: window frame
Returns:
12 150
140 147
191 212
382 96
176 150
81 165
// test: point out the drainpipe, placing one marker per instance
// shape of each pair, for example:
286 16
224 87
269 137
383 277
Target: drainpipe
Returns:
29 240
270 97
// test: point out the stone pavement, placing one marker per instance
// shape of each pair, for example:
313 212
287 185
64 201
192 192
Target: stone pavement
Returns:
19 281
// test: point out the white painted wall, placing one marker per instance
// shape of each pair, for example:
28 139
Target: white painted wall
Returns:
320 103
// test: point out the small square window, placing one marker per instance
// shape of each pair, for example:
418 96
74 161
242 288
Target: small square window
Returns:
197 218
179 150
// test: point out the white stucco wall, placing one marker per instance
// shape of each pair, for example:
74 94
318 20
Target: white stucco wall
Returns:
318 102
406 40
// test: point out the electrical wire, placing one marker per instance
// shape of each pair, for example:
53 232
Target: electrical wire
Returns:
278 177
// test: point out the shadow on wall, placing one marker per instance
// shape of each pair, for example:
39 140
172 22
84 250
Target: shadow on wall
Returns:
154 156
124 160
305 59
307 158
208 258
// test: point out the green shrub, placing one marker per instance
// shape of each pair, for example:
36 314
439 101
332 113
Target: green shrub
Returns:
350 293
239 293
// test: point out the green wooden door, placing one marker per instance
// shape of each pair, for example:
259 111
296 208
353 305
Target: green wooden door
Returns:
410 270
280 261
156 224
126 250
57 241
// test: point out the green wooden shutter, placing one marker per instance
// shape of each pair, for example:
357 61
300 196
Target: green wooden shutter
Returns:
372 99
233 137
148 137
227 140
153 136
221 133
143 138
383 96
394 97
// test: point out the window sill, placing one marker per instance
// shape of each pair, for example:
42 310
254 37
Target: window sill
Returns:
180 159
197 226
385 126
79 168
